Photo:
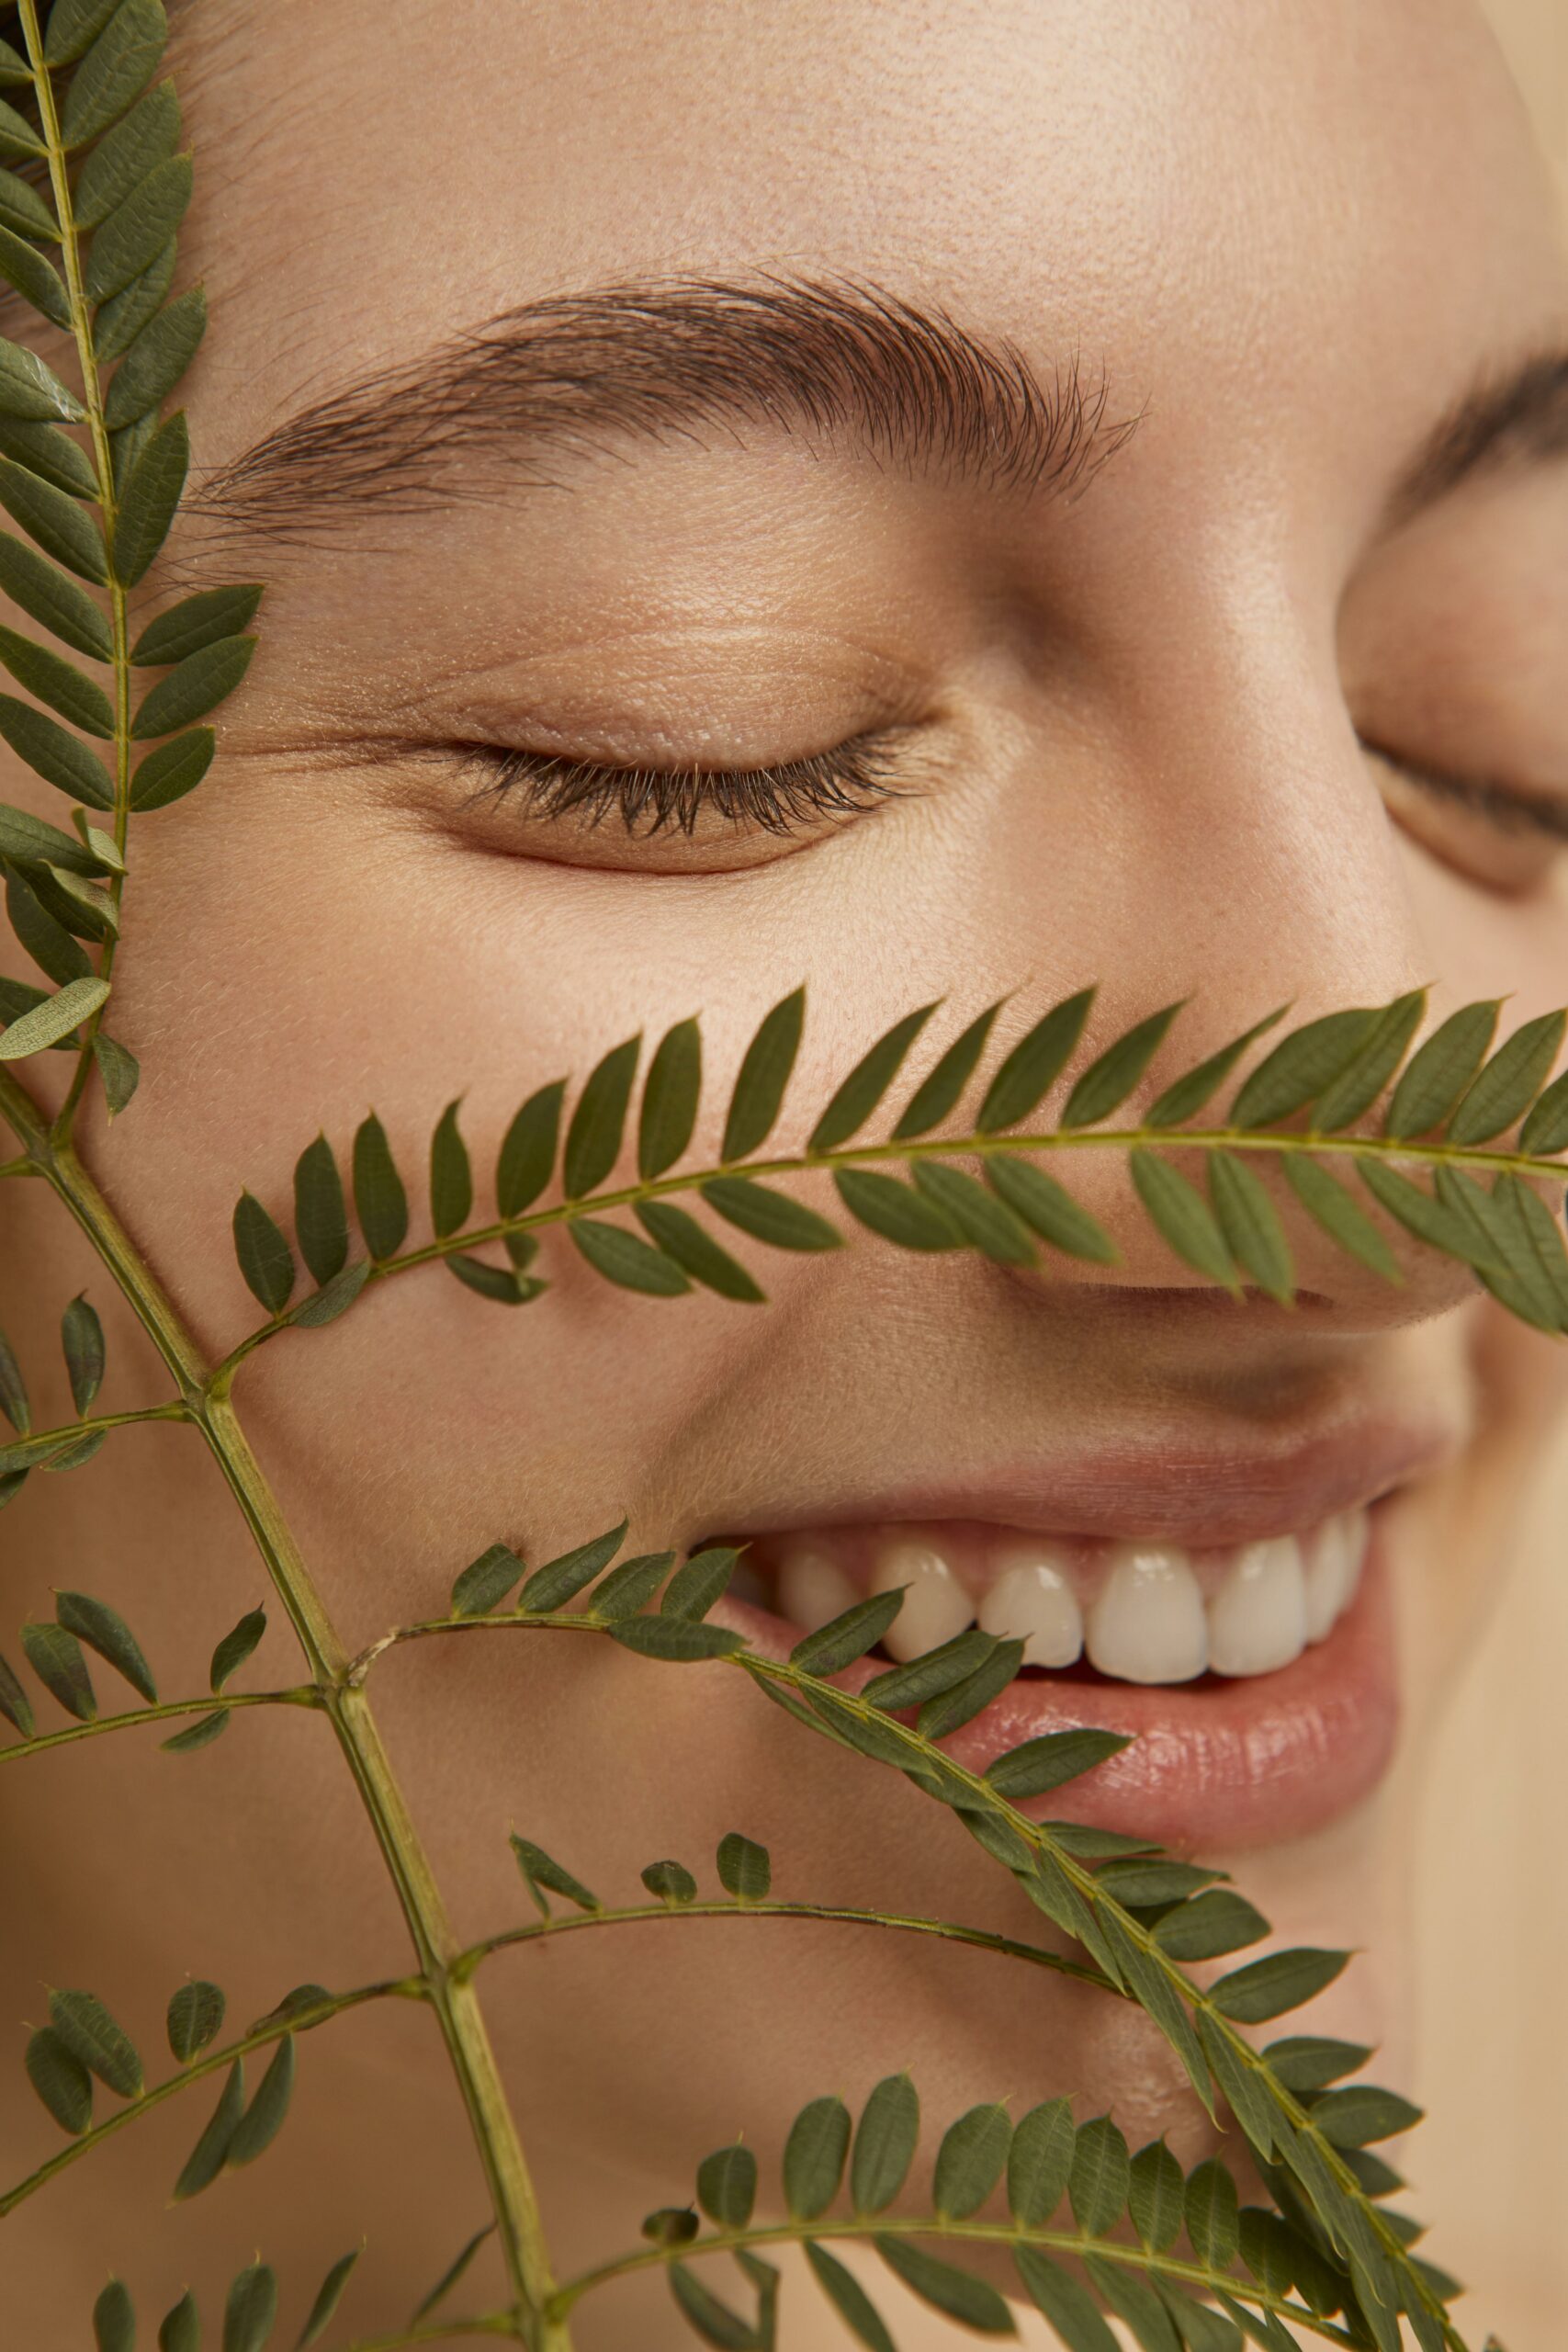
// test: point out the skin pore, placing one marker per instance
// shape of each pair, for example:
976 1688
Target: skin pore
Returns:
1122 726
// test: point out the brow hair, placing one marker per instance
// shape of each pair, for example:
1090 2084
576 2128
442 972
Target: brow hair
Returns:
581 372
1522 416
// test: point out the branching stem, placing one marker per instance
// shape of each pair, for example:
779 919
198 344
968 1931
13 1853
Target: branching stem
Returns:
29 1453
304 1695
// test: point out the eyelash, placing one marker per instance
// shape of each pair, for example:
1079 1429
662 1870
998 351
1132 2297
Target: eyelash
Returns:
844 782
1510 810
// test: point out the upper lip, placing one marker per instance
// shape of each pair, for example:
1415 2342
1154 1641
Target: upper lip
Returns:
1168 1491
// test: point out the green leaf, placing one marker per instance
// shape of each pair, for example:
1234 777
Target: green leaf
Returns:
502 1283
970 2161
56 1658
1249 1224
1033 1066
1133 2300
542 1875
117 66
896 1210
1043 1204
1441 1069
950 1709
630 1587
559 1580
35 280
123 318
1109 1080
175 768
104 1630
1339 1214
1200 2327
1429 1219
180 2328
885 2143
266 1259
23 209
1302 1066
61 2080
763 1076
31 390
669 1097
236 1647
1097 2183
82 908
207 2159
335 1296
451 1175
91 2034
82 1339
1264 1988
329 2294
528 1152
1536 1238
194 623
32 841
47 941
1219 1921
1056 1757
251 2307
769 1217
53 518
125 155
862 1090
712 2319
956 2292
814 2157
939 1669
147 509
937 1094
622 1258
193 686
72 26
670 1881
1307 2062
1546 1129
321 1217
681 1237
837 1645
1068 2308
195 2019
1526 1285
137 230
197 1735
699 1582
1182 1216
1352 2117
380 1201
727 2186
1194 1088
1363 1080
484 1584
127 448
849 2297
150 370
988 1224
13 1390
594 1137
1039 2162
263 2119
13 1701
18 140
1509 1082
1141 1882
744 1868
676 1639
670 2225
1155 2196
1211 2208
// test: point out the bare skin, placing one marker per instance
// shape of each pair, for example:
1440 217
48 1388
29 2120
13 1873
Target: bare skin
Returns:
1130 727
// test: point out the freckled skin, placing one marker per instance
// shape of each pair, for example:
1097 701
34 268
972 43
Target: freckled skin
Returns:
1293 243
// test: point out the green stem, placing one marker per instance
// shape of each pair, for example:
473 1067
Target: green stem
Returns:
1075 2243
28 1452
455 2004
628 1915
438 2331
268 2030
97 428
306 1695
19 1168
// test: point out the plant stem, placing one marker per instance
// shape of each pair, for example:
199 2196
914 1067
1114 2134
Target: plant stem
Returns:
307 1695
28 1452
456 2002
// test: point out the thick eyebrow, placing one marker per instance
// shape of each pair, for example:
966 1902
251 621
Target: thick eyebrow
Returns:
1518 419
584 373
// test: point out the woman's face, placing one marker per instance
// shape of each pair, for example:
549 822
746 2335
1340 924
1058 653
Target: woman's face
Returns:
1055 405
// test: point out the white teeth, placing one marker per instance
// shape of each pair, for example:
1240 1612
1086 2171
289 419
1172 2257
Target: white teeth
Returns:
1334 1569
1257 1619
936 1606
813 1589
1032 1601
1147 1625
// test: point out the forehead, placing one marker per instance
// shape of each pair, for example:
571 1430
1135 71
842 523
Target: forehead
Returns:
1228 204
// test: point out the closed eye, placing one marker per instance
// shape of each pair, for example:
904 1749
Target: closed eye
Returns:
846 781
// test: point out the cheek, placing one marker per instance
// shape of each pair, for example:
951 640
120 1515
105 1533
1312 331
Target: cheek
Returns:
1479 943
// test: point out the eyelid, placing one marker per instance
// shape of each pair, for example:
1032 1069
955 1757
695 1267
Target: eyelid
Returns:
1508 806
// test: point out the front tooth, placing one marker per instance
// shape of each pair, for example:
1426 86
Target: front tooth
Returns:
813 1588
1032 1601
1334 1571
1257 1620
1147 1622
936 1606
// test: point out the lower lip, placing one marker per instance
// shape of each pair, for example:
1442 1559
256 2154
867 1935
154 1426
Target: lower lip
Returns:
1215 1763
